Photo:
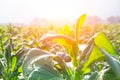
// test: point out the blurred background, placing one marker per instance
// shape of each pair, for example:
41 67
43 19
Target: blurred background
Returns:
44 12
28 20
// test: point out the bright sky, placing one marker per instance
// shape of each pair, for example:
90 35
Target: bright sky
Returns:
25 10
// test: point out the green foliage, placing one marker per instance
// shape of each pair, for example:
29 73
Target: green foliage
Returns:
66 41
80 22
109 75
54 56
10 59
113 62
44 66
102 41
93 57
94 76
44 73
10 64
113 33
81 62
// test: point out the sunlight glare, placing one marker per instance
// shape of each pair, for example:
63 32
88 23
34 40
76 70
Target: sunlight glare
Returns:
53 9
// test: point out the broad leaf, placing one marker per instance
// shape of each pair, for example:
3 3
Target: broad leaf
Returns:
39 65
93 76
102 41
31 56
109 75
79 24
81 20
104 74
94 56
83 57
66 41
86 52
114 63
71 49
44 73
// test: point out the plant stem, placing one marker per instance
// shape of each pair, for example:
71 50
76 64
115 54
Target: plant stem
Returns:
76 34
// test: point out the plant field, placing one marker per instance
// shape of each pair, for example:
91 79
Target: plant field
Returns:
80 52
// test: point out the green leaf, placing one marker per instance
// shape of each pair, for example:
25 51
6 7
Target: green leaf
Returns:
93 76
78 75
44 66
67 30
1 65
83 57
16 65
104 74
36 55
14 59
8 56
66 74
20 69
113 62
14 74
94 56
71 49
102 41
70 44
109 75
1 55
79 24
86 52
81 20
44 73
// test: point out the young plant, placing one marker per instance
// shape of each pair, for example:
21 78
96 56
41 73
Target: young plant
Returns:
44 64
10 64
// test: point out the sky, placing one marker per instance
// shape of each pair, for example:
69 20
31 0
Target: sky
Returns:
24 11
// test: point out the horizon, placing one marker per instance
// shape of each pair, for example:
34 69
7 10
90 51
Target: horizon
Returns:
24 11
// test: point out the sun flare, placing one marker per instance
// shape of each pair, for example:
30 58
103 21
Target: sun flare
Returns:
60 10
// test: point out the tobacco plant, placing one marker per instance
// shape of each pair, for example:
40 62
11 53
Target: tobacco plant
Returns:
60 58
10 58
